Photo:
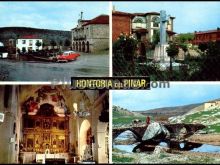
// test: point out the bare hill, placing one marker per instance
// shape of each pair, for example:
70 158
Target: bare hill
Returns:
174 111
170 111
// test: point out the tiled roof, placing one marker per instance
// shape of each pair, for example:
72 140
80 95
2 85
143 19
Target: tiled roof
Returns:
29 37
121 13
155 13
136 14
170 32
208 31
102 19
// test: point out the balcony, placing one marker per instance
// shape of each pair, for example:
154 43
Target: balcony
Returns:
80 37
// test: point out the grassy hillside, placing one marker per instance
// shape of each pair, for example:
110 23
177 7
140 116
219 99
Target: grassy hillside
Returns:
209 117
124 116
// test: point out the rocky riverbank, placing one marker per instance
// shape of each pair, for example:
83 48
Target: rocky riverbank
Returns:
162 156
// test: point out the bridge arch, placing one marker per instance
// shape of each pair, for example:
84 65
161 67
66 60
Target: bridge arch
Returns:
116 133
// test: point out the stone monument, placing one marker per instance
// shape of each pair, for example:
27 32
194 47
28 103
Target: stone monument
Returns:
160 53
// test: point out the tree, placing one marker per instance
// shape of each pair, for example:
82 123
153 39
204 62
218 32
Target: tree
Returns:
184 37
53 43
185 48
44 44
67 42
123 55
38 44
172 51
203 46
209 63
60 43
23 50
156 37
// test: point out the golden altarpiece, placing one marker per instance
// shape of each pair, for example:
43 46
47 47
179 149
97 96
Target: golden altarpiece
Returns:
45 123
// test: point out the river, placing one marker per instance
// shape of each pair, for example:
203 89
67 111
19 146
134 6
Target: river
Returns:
128 148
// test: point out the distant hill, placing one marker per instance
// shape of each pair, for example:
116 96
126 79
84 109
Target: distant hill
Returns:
169 111
174 114
122 112
46 34
173 111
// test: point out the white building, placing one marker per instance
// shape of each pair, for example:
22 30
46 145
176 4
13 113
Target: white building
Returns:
26 43
145 25
211 104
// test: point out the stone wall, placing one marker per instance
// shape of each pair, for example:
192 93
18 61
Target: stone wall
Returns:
100 44
99 31
8 146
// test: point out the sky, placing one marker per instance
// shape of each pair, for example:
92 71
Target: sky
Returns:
49 15
178 94
190 16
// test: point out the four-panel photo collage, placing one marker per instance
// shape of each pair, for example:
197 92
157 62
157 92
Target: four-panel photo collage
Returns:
108 82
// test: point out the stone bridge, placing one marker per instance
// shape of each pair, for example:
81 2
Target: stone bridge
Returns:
174 129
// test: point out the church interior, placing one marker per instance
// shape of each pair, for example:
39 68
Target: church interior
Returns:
47 123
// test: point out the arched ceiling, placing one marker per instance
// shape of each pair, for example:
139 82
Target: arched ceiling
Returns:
56 96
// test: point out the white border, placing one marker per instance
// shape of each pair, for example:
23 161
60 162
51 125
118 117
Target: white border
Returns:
110 74
110 39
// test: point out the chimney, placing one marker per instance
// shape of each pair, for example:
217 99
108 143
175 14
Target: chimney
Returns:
81 16
113 10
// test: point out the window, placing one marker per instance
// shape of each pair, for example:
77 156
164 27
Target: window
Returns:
138 23
23 49
138 20
155 21
23 41
30 42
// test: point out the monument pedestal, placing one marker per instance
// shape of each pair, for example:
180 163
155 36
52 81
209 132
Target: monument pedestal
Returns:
160 53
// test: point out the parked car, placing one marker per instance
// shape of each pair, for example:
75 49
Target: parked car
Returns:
67 56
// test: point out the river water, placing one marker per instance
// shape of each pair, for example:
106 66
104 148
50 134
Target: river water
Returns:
128 148
89 65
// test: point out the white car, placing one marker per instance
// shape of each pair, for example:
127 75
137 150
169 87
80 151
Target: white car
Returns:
3 55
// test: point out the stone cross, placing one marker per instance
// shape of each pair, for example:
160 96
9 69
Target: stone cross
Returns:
162 20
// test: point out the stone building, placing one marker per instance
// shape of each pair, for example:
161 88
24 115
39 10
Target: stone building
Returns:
211 104
142 25
206 36
91 35
51 123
